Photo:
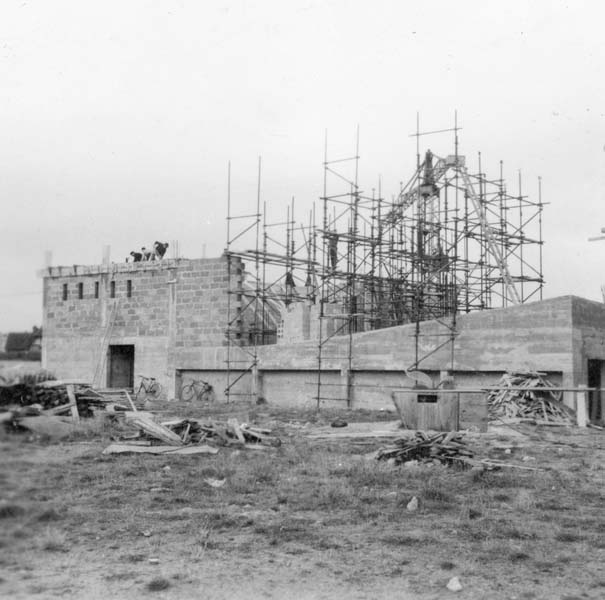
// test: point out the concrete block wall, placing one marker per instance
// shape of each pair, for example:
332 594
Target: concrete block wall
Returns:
177 315
201 303
175 307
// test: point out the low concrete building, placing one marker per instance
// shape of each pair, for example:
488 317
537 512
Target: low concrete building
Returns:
168 319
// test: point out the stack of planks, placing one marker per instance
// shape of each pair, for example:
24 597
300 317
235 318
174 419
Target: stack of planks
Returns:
445 448
528 404
47 395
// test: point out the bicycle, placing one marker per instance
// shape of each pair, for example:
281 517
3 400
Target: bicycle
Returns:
199 389
150 387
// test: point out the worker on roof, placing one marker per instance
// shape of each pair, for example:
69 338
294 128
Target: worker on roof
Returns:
160 249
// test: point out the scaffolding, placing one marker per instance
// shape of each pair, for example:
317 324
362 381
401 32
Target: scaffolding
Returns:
450 241
281 272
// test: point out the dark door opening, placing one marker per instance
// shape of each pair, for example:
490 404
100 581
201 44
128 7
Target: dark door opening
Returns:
595 409
120 373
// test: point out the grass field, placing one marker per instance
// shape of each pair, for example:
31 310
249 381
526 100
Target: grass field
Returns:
312 519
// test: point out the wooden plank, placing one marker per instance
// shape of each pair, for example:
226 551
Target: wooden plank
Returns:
132 406
154 429
57 410
61 382
6 416
132 448
72 402
234 426
201 449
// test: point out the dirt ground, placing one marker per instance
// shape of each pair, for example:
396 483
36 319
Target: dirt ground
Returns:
311 519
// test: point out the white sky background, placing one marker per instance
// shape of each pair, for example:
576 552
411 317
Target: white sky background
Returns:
117 119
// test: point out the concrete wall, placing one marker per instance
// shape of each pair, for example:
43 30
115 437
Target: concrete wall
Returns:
536 336
588 320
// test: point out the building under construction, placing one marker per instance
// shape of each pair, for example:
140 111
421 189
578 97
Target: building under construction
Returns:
449 243
357 297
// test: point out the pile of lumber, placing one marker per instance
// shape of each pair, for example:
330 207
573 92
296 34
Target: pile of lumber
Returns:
224 433
528 397
190 435
23 389
444 447
51 396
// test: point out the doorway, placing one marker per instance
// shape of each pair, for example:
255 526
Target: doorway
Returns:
120 373
595 379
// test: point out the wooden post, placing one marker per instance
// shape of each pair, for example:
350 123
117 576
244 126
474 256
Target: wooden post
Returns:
73 405
254 383
581 408
134 408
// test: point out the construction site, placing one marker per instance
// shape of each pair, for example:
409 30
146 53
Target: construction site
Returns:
370 398
358 298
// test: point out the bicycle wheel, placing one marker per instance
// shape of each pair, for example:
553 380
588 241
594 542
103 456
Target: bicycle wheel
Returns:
187 392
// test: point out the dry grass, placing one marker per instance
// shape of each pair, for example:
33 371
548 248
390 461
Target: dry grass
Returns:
306 499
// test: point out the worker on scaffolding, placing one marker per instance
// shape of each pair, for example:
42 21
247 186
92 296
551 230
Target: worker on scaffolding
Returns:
333 249
290 287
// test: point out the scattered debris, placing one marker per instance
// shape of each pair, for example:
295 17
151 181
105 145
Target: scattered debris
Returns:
528 405
155 430
412 505
215 483
188 436
196 431
454 585
443 447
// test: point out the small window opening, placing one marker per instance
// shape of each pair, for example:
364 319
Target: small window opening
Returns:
64 291
112 289
80 291
129 288
96 289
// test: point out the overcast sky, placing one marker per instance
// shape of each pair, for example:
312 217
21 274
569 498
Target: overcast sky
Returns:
118 118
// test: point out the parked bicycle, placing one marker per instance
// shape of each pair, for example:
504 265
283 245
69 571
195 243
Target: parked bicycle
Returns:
199 389
149 388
